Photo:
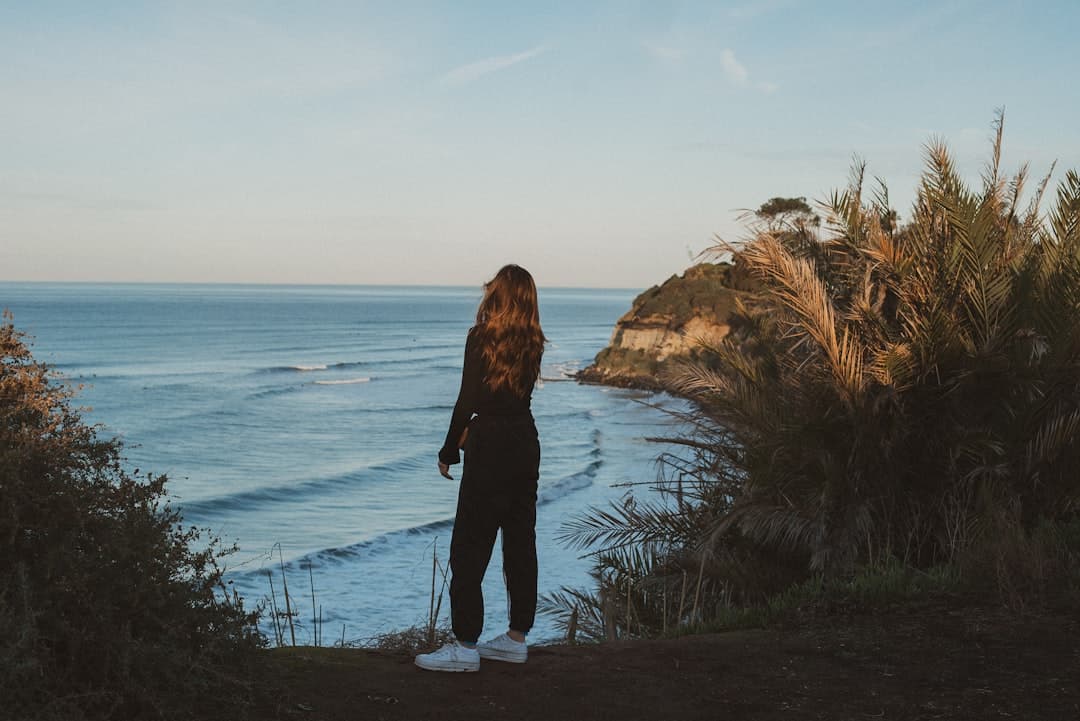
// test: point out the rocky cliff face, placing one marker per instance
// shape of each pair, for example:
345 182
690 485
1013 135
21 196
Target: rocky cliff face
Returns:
668 323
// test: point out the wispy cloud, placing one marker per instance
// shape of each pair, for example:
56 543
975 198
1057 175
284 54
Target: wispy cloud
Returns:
733 69
466 74
737 74
664 53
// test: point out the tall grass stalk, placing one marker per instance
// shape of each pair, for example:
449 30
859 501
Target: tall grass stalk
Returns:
285 590
314 618
427 633
279 635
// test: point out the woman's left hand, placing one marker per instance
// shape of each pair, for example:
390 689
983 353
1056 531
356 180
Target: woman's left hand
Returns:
444 471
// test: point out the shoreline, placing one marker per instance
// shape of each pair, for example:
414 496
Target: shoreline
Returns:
593 376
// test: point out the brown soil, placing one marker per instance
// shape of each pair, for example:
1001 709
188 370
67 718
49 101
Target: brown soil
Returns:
930 663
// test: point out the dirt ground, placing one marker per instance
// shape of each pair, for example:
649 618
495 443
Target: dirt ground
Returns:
930 663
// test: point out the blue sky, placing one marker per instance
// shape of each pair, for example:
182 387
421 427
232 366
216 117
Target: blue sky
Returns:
598 144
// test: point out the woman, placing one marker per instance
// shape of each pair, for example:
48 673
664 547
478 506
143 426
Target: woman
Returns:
493 423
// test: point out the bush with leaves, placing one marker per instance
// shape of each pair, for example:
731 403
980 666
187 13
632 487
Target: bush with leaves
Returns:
107 608
908 393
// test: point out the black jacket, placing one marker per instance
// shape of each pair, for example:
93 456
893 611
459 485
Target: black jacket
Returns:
476 398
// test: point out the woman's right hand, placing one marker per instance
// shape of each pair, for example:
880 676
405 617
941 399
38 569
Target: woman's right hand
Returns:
444 471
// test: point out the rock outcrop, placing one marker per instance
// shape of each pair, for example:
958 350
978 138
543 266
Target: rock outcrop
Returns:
668 323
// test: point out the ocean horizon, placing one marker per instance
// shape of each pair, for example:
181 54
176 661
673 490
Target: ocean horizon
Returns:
267 285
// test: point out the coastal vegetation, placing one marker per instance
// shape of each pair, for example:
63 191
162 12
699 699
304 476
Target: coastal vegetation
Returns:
899 413
110 607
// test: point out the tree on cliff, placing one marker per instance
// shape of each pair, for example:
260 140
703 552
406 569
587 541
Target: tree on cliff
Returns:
910 395
781 212
106 608
791 220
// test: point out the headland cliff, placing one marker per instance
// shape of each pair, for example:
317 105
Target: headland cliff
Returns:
669 323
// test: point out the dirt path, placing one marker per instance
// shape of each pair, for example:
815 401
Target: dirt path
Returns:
934 664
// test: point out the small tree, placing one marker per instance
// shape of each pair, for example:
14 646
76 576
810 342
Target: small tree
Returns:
779 212
107 608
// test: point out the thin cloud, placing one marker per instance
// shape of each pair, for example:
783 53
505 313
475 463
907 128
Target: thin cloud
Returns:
664 53
473 71
734 70
738 75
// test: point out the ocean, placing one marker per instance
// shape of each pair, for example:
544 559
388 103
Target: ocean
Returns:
302 423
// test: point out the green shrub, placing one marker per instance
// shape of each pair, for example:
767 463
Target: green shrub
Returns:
899 393
107 608
703 288
629 361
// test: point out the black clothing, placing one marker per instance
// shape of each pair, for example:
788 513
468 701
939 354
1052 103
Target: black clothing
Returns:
498 490
476 397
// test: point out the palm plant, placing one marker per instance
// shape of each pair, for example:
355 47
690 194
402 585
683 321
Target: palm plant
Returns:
896 393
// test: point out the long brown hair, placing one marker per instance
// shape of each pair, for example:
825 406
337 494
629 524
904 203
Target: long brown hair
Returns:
508 330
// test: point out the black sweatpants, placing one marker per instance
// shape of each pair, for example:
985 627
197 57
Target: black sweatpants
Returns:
498 490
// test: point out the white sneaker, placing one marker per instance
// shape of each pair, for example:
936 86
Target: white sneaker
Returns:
504 648
451 657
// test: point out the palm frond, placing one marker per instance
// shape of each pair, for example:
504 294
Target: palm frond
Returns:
891 389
